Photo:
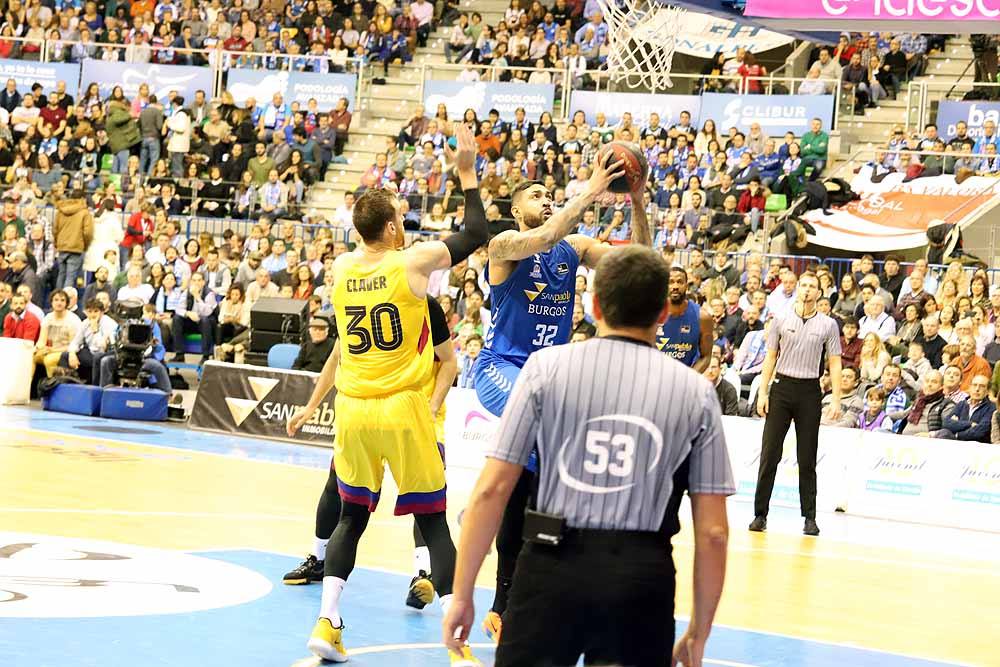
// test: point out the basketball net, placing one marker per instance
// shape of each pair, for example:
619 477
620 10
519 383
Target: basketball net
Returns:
641 39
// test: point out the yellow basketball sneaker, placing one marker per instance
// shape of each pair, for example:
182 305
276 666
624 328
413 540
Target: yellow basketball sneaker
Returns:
492 626
327 641
421 591
464 660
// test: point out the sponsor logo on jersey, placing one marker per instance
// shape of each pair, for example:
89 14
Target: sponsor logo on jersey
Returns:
533 294
686 329
562 268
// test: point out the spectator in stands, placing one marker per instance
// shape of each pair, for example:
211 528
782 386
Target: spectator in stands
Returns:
21 273
873 417
135 289
829 70
261 286
855 77
873 358
850 343
851 403
971 419
970 363
19 323
914 46
926 414
94 338
316 348
876 320
896 399
725 392
73 232
340 119
178 128
814 147
894 68
194 313
59 328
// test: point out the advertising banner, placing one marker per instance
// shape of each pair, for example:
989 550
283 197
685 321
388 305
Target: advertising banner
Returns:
640 105
915 479
458 96
299 87
162 79
973 113
703 35
881 475
893 215
258 402
743 438
27 74
776 114
883 10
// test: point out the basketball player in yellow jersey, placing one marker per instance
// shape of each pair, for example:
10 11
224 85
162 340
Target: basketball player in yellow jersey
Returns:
386 355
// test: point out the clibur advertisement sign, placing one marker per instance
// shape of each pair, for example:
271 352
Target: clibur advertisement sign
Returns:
506 98
640 105
27 74
776 114
326 89
162 79
974 114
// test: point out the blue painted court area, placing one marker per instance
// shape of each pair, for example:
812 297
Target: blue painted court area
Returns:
272 630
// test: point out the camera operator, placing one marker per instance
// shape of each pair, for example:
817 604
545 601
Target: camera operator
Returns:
94 339
152 362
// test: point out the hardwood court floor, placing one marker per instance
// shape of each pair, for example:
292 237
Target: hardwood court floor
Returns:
231 515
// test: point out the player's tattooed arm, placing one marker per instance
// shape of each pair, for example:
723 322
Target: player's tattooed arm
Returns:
640 223
515 245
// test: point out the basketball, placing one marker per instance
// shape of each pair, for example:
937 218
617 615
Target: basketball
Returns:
635 166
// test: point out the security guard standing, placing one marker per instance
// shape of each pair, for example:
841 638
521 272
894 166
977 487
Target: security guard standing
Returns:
796 346
622 431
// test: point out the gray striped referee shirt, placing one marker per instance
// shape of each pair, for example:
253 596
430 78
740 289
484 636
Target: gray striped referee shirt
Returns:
614 420
801 344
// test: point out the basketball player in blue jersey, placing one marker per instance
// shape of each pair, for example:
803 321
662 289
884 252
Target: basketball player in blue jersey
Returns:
688 333
532 277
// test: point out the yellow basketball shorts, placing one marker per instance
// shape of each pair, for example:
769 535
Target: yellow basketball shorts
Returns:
395 430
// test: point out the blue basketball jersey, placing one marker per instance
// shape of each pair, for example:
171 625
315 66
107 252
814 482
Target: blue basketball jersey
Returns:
533 308
680 337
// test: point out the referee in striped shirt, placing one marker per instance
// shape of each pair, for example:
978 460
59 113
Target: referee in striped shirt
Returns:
797 344
622 432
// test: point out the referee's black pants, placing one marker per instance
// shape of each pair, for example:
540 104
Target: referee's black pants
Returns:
790 399
556 614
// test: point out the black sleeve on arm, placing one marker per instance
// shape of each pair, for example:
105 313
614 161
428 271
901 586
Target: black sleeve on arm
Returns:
474 234
439 323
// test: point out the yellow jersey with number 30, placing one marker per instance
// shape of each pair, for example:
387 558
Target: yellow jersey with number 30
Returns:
384 329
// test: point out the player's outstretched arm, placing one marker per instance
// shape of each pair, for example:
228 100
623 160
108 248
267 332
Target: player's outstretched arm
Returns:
324 383
514 245
436 255
591 250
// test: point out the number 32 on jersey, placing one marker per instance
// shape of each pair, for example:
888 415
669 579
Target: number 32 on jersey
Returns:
544 335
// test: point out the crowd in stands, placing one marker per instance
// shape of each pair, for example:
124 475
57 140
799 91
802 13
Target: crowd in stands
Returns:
99 191
706 188
960 155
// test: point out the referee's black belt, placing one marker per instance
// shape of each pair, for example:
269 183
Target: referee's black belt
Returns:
788 378
610 538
